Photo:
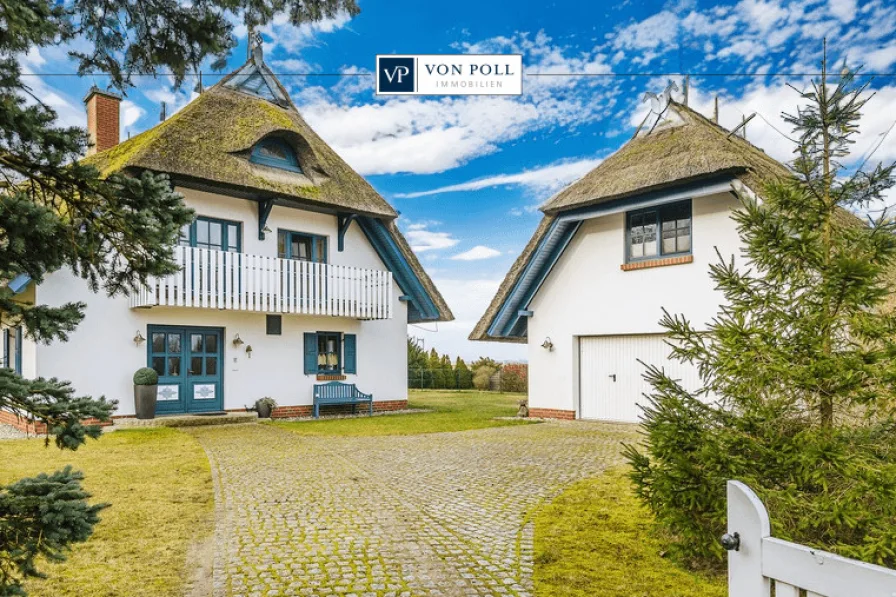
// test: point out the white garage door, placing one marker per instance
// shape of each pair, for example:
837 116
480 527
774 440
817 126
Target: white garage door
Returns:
611 378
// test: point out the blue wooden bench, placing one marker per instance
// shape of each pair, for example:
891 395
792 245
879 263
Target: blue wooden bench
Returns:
336 392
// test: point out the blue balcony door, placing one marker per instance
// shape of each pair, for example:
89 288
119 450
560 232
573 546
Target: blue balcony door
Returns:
189 361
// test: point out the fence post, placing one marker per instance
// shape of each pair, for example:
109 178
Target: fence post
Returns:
748 521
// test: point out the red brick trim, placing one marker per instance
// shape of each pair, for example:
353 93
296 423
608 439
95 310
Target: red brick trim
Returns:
331 377
37 427
306 410
627 267
552 413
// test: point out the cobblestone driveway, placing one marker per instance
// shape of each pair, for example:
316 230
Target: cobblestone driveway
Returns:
442 514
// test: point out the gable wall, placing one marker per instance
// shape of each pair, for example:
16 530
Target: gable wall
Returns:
588 294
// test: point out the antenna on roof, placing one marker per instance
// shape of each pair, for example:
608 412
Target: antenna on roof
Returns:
742 125
162 114
687 86
715 114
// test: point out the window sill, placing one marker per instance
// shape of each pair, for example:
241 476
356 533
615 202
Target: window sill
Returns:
330 377
627 267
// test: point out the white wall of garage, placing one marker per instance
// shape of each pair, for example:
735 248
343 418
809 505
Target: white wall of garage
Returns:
588 294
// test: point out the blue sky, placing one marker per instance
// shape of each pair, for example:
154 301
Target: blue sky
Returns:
468 173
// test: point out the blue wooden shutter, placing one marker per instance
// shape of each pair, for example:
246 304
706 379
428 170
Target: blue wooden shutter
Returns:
19 350
350 355
310 353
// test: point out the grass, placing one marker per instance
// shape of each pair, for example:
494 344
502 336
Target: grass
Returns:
159 484
595 540
450 411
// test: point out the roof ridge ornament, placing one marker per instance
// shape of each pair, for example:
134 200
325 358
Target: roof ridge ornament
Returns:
659 105
256 47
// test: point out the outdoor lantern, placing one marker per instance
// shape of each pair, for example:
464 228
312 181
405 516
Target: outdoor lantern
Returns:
237 341
139 339
547 344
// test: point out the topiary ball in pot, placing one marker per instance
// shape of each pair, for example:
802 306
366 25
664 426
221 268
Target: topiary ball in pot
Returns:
146 387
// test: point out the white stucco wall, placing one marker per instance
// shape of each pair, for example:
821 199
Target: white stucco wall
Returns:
101 356
588 294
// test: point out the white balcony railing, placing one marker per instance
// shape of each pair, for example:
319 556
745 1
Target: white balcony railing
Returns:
211 279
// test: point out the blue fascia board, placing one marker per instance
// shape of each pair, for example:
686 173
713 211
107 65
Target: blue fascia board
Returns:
539 267
421 307
19 283
509 322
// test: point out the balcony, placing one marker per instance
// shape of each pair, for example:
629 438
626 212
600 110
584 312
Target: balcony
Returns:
211 279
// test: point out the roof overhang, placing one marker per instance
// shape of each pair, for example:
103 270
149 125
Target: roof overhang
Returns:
510 323
421 306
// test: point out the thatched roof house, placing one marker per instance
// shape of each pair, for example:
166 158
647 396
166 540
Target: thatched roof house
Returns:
687 149
208 144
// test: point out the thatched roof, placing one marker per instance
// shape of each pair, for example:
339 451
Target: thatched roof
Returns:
691 148
211 138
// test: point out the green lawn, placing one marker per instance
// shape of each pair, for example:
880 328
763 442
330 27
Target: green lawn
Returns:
595 540
451 411
159 484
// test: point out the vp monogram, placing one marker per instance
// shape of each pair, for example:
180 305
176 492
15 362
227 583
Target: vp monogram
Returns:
396 75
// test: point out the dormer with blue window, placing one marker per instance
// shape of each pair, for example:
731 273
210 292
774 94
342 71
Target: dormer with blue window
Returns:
276 153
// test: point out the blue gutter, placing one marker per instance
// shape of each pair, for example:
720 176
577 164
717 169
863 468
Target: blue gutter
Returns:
512 319
421 307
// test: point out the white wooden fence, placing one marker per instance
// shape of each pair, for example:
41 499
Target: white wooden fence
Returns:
214 279
757 561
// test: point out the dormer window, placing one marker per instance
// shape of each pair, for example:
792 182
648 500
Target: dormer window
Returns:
277 154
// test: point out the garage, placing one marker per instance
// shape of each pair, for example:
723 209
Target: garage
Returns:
611 382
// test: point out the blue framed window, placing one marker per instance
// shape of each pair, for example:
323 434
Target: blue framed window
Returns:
276 153
301 246
660 231
212 233
330 353
12 349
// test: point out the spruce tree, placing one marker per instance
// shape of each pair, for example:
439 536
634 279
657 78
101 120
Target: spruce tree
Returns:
448 373
435 370
114 231
464 375
798 366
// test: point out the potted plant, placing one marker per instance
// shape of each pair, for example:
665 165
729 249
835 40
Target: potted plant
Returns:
146 387
265 406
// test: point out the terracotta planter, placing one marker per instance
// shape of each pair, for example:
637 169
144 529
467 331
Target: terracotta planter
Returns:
145 401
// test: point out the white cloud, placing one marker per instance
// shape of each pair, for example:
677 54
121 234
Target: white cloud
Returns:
426 135
423 239
477 253
468 300
845 10
879 60
69 112
130 113
546 179
280 32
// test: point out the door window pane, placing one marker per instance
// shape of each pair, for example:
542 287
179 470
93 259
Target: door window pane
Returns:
211 365
211 343
195 366
202 232
173 342
158 342
174 366
196 342
158 363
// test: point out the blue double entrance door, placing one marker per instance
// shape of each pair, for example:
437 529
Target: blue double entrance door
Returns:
190 364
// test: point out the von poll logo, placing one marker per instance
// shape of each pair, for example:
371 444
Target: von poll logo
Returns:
449 74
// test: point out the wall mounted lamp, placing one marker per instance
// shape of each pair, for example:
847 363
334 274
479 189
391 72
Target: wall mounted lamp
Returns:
266 230
547 344
237 341
139 339
249 351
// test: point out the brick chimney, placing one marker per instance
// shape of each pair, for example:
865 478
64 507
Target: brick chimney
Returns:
102 119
